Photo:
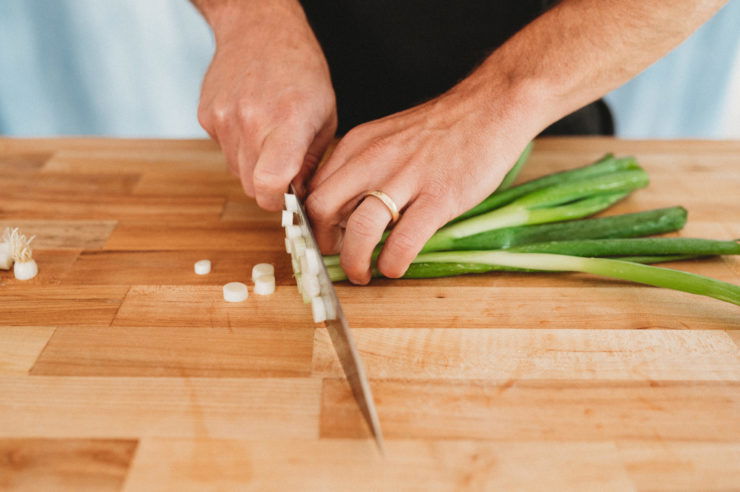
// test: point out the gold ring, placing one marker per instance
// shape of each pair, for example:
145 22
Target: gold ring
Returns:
387 201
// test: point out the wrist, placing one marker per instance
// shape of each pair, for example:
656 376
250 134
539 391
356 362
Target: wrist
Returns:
235 17
514 107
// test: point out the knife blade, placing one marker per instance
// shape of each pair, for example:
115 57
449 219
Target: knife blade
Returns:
340 333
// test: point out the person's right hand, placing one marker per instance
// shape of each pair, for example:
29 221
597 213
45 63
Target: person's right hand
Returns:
267 98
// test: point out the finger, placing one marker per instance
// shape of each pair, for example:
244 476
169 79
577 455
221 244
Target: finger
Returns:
365 227
282 154
350 145
247 157
418 223
329 205
316 152
230 149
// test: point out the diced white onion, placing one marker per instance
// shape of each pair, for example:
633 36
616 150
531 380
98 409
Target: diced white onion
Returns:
235 292
298 246
296 266
203 267
261 269
287 218
264 285
25 270
331 313
306 298
288 248
303 262
311 285
298 282
291 202
318 310
313 261
293 232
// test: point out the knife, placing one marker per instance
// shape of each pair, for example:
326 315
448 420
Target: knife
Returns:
338 327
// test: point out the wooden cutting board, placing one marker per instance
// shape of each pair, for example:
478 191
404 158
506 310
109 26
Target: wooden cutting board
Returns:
120 368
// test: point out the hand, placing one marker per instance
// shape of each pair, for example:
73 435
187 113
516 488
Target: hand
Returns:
435 161
267 98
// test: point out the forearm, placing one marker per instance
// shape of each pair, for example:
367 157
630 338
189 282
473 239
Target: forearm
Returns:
226 15
582 49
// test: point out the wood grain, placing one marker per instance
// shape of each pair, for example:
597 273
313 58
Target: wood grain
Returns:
64 234
57 264
64 464
113 161
248 211
353 465
122 369
607 307
116 267
31 204
188 184
23 162
153 235
681 465
124 408
179 351
466 353
20 346
540 410
67 184
52 305
201 306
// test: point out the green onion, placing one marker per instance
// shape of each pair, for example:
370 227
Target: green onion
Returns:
647 246
449 263
638 224
566 201
657 221
516 169
606 165
561 196
658 258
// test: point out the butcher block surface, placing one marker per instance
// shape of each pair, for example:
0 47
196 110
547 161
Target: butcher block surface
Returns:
120 369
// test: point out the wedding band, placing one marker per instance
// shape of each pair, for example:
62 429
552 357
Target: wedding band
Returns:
387 201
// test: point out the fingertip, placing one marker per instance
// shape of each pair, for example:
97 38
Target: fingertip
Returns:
270 203
392 269
362 279
355 273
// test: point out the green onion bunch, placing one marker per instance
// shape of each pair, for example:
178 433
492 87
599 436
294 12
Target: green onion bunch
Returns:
541 225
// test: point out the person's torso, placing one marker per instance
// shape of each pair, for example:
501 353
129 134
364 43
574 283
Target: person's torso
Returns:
388 55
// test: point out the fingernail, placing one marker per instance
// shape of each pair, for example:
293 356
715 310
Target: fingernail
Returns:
363 280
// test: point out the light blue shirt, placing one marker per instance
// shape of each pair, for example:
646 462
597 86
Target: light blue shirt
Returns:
134 68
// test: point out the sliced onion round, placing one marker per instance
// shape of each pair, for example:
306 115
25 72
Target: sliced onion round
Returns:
235 292
264 285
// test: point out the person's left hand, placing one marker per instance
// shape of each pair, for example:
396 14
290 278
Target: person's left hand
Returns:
435 161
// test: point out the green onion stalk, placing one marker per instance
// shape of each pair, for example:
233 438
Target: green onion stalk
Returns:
529 220
566 201
505 195
449 263
636 224
516 168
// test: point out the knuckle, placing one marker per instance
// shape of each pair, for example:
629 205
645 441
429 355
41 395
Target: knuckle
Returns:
293 106
220 115
268 178
205 119
403 243
351 266
436 190
363 224
353 137
245 111
317 208
375 147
